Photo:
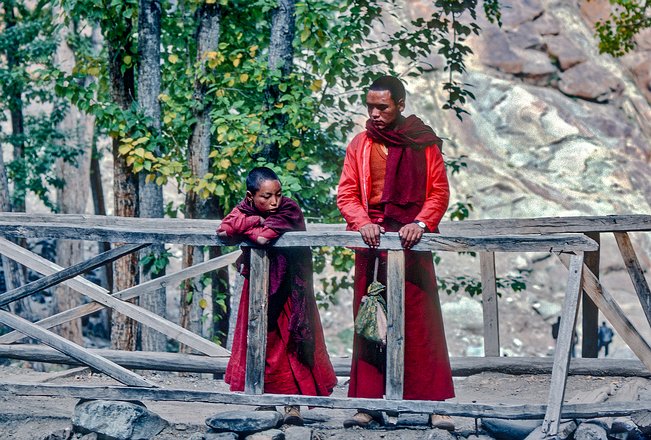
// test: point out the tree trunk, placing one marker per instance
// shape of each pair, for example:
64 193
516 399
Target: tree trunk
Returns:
15 104
150 194
96 186
281 55
15 275
198 150
78 129
125 193
12 271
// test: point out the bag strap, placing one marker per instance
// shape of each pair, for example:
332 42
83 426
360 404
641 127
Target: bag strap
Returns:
377 262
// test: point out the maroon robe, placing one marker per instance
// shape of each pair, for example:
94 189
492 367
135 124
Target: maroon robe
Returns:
297 360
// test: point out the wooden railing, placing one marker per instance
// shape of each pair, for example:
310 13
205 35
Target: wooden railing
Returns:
486 237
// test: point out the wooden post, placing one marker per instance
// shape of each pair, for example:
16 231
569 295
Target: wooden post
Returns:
489 304
563 345
257 332
395 368
590 321
635 272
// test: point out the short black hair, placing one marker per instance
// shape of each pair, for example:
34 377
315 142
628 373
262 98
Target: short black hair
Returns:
258 175
392 84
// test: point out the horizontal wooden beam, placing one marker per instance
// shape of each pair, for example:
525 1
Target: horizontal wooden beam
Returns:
540 225
433 242
461 366
475 410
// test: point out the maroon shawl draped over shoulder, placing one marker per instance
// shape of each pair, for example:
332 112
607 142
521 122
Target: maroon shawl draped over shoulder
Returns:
405 180
290 276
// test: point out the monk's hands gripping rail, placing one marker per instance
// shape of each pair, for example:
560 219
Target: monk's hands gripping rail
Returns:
371 234
410 234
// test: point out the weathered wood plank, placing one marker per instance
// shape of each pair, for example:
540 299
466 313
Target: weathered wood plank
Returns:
67 273
489 304
257 331
635 272
135 360
73 350
541 225
461 366
434 242
615 315
132 292
548 225
590 312
101 295
563 346
474 410
395 325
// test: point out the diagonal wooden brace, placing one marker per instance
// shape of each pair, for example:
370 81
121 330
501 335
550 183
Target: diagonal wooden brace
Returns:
70 272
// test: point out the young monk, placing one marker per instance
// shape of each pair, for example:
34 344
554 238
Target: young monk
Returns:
297 361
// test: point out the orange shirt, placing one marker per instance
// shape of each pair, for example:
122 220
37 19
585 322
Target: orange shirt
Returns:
378 170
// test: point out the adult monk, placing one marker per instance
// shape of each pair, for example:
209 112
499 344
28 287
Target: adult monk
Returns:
394 180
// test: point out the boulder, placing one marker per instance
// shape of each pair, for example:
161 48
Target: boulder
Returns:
590 81
298 433
117 420
565 431
270 434
517 12
564 51
220 436
509 429
590 431
496 52
244 422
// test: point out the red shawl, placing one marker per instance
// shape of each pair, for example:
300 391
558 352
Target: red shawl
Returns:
405 180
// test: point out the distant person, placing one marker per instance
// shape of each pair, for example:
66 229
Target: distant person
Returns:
605 337
575 338
296 361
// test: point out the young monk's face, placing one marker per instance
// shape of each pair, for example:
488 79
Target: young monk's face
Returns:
382 109
267 198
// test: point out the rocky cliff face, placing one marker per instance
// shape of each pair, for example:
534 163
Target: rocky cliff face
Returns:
556 129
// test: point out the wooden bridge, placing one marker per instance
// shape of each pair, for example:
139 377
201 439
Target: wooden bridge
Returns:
575 240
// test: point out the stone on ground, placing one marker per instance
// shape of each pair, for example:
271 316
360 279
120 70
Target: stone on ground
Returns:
590 431
116 419
298 433
509 429
244 422
270 434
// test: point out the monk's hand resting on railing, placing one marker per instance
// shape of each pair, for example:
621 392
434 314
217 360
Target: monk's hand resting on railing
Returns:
410 234
371 234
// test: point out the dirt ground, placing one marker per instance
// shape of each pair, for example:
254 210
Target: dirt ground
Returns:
25 418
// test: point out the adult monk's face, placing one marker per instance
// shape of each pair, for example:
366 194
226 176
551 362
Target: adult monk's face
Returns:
382 109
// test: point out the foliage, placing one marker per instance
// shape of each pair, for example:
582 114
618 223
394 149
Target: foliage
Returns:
616 34
472 285
28 41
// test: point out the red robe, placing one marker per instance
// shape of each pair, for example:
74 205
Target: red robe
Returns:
427 371
297 360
